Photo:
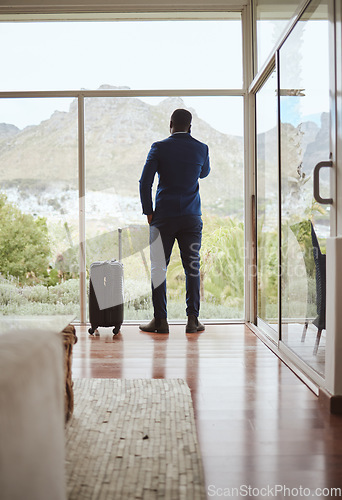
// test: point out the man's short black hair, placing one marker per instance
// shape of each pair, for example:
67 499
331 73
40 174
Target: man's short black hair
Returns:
181 119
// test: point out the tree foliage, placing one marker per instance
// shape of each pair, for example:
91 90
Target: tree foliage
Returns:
222 257
24 244
222 264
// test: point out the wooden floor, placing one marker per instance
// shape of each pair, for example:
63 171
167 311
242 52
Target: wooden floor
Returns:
259 426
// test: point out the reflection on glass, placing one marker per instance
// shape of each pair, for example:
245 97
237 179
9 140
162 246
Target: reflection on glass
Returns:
304 111
267 202
166 54
38 209
271 20
119 133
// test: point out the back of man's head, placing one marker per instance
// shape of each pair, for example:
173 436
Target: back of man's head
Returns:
181 120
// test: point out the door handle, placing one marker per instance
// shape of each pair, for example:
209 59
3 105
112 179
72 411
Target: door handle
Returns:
317 196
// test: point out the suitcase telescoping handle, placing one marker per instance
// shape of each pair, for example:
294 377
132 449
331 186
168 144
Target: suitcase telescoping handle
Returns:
120 243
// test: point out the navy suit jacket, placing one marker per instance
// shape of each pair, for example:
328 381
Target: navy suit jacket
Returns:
180 160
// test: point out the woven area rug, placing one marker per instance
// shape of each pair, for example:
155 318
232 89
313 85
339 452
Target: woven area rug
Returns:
133 439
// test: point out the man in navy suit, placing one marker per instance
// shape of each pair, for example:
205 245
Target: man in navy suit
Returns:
180 160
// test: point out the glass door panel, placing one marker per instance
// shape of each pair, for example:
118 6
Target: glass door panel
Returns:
305 224
39 237
118 135
267 205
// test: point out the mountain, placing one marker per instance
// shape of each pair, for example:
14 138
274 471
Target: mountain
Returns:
118 134
7 131
318 149
39 164
307 144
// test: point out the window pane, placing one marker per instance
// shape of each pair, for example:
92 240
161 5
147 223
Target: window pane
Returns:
119 134
38 207
139 55
272 19
267 201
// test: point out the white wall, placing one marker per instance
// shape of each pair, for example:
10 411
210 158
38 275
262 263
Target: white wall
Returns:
339 116
333 380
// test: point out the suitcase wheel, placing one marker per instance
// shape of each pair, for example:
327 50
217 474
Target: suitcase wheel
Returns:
116 330
91 331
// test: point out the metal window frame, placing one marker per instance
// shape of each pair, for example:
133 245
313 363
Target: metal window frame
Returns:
249 165
273 334
271 64
80 95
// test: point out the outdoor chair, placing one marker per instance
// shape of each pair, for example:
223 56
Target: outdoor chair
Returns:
320 267
321 283
302 232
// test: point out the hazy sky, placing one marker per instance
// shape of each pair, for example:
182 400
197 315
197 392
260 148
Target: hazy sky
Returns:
148 55
140 55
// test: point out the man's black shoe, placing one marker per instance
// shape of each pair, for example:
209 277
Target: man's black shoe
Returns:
157 325
193 325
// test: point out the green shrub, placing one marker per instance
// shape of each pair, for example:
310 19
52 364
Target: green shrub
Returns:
222 262
38 299
24 245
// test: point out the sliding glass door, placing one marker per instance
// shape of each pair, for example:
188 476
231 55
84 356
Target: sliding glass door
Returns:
293 119
305 223
267 206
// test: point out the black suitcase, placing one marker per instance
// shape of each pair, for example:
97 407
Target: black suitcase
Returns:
106 298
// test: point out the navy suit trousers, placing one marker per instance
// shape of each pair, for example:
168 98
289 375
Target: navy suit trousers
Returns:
187 230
